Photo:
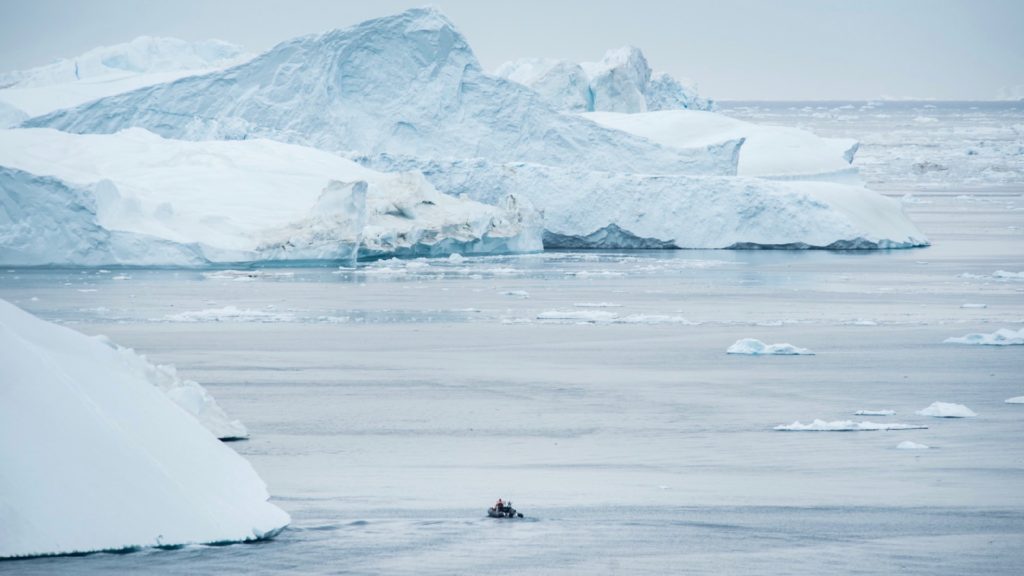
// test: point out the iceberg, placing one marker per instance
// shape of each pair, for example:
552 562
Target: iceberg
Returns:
874 413
598 209
947 410
844 426
768 151
405 93
407 84
98 458
1015 400
622 81
110 70
754 347
1001 337
138 199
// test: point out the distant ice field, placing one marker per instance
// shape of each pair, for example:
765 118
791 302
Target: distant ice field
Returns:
388 405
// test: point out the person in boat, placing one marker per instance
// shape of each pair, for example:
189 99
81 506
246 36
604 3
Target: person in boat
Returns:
500 506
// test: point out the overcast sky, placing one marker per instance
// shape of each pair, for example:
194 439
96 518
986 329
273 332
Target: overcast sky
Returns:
735 49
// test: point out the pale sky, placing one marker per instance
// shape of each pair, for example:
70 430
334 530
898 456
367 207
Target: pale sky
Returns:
734 49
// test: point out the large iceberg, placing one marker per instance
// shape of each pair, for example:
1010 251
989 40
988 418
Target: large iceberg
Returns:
595 209
407 84
405 93
768 151
97 458
110 70
136 198
622 81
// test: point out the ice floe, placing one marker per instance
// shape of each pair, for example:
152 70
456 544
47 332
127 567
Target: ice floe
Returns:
230 314
1015 400
1001 337
908 445
755 347
947 410
604 317
874 413
844 426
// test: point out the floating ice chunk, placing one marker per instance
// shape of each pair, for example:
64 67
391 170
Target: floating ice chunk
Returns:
947 410
245 275
456 258
1004 275
229 314
591 316
860 322
523 294
908 445
874 412
597 305
654 319
844 426
755 347
1001 337
1015 400
972 305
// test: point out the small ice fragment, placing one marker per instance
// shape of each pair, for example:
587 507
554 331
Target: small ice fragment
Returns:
456 258
874 412
972 305
516 294
908 445
1015 400
754 347
844 426
947 410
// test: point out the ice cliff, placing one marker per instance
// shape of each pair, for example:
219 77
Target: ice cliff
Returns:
98 458
622 81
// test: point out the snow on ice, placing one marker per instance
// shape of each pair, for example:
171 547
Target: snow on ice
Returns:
947 410
126 467
1001 337
843 426
755 347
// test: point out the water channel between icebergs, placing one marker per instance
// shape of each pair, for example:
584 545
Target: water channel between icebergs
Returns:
388 406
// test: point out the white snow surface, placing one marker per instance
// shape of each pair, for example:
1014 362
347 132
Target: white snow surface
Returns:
1001 337
110 70
755 347
768 151
947 410
136 198
622 81
908 445
98 458
843 426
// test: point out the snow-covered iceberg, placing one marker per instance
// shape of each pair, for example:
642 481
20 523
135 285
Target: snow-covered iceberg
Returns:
768 151
110 70
1015 400
622 81
1001 337
596 209
136 198
95 457
755 347
947 410
407 84
843 426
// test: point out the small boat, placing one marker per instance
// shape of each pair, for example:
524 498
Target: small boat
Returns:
503 511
